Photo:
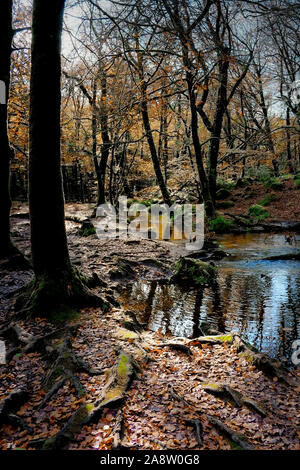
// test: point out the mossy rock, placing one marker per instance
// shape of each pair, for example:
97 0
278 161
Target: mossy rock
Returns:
192 271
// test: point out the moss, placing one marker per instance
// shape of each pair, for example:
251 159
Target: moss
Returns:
211 386
220 225
247 356
87 231
297 183
80 417
63 314
226 338
193 271
123 365
123 333
120 377
223 339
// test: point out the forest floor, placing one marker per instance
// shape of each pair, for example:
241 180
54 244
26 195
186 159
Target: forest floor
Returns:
171 402
284 207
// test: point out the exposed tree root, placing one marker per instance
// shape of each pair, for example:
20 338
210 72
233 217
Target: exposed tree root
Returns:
237 399
233 437
118 431
11 404
198 428
177 347
66 365
14 260
118 380
55 296
213 339
25 342
237 439
267 365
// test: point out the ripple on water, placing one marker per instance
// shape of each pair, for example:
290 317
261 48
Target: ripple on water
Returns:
256 298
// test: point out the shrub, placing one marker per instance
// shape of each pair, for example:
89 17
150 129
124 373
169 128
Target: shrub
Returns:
220 225
224 188
266 201
297 182
262 173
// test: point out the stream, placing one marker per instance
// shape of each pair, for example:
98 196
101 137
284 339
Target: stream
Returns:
256 298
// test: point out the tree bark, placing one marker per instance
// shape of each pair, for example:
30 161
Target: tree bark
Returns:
56 284
6 153
48 235
215 136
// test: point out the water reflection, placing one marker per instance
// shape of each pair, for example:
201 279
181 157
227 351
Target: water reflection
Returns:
259 299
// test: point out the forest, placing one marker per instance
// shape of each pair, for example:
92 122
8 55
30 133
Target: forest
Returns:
150 227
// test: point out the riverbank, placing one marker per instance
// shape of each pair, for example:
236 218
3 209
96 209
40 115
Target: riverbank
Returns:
169 400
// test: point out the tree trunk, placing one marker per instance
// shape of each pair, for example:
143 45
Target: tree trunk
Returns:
6 153
288 142
48 235
106 144
56 282
215 135
148 131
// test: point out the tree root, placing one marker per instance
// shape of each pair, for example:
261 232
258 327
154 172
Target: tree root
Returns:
56 296
118 432
66 365
177 347
118 381
214 339
198 428
237 399
9 405
24 341
237 439
270 367
233 437
14 261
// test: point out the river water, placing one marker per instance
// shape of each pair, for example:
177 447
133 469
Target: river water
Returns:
257 298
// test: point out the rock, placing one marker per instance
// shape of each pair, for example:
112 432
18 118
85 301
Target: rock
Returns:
193 272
